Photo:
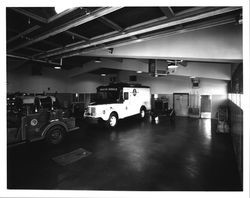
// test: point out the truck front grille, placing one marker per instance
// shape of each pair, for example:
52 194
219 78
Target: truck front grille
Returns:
91 111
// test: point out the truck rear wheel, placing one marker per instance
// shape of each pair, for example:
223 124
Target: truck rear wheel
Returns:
55 135
142 112
112 121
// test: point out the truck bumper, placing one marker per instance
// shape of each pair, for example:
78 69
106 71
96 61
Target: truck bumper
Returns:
92 120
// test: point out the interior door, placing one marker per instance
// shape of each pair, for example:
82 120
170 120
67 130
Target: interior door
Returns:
181 104
35 123
126 104
206 106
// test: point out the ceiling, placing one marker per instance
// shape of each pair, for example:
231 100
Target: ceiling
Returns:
40 34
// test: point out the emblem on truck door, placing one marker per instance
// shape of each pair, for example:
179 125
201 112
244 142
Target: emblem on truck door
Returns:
33 122
134 92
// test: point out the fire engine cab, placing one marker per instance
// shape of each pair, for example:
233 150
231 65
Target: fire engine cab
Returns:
118 101
32 118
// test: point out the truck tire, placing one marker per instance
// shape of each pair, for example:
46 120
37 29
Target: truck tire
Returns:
112 121
142 113
55 135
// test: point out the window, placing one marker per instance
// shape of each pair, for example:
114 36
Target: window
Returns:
125 95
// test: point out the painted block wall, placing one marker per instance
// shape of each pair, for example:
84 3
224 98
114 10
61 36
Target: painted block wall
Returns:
58 81
22 80
85 83
177 84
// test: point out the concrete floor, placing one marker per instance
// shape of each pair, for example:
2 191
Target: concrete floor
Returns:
185 155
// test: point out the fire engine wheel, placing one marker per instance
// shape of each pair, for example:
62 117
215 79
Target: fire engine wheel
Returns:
55 135
112 122
142 113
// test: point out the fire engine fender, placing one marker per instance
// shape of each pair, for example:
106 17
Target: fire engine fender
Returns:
54 123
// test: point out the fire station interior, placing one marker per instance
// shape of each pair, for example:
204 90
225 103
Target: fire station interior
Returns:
191 59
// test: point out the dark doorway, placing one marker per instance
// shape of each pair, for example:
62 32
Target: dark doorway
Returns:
206 106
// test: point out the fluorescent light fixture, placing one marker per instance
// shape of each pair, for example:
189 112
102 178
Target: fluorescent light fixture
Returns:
192 77
103 74
172 66
139 72
57 67
138 40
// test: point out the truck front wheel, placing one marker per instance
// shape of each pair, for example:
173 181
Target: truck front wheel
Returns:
112 121
55 135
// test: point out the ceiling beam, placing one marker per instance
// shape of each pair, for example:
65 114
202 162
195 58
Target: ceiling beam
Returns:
57 16
31 59
42 19
44 41
168 12
29 14
68 25
164 33
110 24
34 49
77 35
23 33
157 25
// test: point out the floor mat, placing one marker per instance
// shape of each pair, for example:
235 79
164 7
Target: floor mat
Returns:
71 157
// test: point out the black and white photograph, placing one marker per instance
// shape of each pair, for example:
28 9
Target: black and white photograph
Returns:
126 99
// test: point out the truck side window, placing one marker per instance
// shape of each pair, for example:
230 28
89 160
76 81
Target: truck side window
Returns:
125 95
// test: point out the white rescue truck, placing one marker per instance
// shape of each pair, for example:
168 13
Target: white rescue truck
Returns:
118 101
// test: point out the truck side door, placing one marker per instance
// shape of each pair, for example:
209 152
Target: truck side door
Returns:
126 105
35 123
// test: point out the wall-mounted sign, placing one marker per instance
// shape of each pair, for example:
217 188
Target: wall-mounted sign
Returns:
108 89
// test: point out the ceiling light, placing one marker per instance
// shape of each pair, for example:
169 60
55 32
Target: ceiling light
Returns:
57 67
139 72
192 77
172 66
138 40
103 74
97 60
86 11
60 8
